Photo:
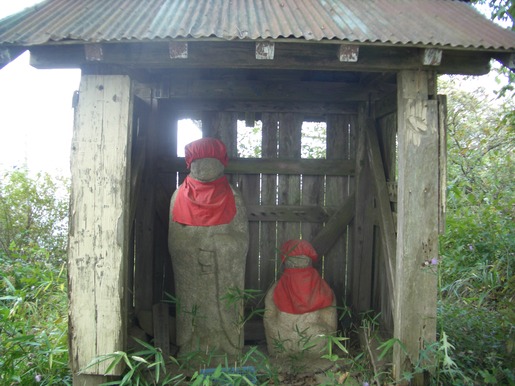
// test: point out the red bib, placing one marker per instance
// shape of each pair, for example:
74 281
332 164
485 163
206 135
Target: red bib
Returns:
204 203
301 290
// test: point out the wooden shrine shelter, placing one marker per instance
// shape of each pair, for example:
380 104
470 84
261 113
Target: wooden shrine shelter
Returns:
372 201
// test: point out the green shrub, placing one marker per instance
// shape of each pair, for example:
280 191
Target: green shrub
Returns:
33 293
477 285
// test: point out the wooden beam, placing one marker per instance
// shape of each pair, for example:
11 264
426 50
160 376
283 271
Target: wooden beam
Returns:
385 213
442 162
271 90
142 199
242 54
305 166
362 264
138 166
99 223
308 213
189 107
417 221
334 227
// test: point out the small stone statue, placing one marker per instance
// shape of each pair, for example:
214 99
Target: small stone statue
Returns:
300 306
208 242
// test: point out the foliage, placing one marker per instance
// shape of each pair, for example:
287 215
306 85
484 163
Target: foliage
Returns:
249 140
477 250
503 13
33 295
33 215
148 366
477 280
501 10
314 136
480 341
313 141
479 245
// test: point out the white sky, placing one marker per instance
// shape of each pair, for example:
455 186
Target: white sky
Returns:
36 110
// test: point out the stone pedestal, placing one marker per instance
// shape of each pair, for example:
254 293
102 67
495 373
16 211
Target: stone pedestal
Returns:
288 334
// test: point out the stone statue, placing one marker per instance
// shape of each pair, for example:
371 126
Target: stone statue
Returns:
300 306
208 242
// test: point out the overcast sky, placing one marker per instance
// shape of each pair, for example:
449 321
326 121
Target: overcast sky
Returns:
36 111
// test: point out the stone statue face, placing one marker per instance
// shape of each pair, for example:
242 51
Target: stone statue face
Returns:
206 169
297 262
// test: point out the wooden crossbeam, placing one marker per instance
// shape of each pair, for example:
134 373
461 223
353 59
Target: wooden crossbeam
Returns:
334 227
273 166
242 54
307 213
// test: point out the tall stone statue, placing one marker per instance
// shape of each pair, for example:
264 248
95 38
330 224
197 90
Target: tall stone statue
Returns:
300 308
208 242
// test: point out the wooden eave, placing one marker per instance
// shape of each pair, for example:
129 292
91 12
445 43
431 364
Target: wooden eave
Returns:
289 54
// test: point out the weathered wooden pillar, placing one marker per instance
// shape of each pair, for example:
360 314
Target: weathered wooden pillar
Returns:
361 277
417 221
99 223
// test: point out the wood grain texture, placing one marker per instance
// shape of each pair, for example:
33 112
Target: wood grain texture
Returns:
417 227
99 222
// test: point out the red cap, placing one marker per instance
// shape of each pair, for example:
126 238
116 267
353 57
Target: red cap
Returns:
298 248
206 148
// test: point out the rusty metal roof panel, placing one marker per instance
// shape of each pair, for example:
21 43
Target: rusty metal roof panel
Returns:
444 23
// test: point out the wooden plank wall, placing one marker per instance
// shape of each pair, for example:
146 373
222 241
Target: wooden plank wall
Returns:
281 139
373 265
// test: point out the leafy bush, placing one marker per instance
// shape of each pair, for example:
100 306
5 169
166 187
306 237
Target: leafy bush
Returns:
33 215
33 293
481 341
477 282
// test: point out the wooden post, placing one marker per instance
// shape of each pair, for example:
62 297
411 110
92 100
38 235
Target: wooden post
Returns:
361 277
340 144
383 205
417 224
99 224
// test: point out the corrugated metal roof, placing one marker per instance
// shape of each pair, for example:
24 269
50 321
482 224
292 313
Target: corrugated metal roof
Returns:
446 23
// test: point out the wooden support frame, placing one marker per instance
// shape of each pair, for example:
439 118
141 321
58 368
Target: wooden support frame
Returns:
442 167
361 265
417 226
325 239
99 225
383 204
242 54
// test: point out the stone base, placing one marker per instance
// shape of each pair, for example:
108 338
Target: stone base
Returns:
298 334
